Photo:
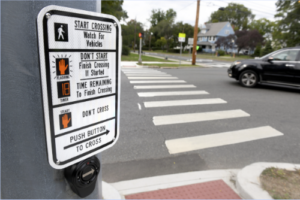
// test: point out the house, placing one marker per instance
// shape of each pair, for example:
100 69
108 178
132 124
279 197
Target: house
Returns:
210 34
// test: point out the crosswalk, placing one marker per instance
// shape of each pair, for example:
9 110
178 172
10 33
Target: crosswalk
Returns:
169 86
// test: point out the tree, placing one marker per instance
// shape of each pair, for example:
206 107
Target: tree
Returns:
161 42
268 49
248 39
128 32
257 51
179 27
164 28
226 42
289 21
237 14
264 26
114 8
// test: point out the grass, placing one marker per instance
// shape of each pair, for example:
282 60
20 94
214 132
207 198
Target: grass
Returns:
135 57
281 183
171 65
206 56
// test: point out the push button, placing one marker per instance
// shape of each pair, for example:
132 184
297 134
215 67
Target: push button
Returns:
88 173
82 176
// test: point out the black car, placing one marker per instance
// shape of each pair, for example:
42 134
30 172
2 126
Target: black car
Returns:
280 68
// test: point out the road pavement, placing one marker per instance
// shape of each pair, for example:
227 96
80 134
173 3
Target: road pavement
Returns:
208 121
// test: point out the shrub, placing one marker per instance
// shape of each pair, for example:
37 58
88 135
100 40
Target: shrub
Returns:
125 50
221 53
174 50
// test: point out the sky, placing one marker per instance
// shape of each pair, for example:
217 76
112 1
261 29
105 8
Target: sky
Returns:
186 9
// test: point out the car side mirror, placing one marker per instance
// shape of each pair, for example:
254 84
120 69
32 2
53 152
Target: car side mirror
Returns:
270 59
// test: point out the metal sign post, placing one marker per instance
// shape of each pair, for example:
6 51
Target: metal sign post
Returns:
140 51
181 38
80 75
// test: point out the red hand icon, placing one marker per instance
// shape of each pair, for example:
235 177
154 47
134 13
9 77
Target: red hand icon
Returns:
62 66
65 121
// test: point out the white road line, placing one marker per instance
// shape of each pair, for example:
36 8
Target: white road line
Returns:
163 86
198 117
154 104
139 105
147 75
152 78
220 139
144 72
177 93
171 81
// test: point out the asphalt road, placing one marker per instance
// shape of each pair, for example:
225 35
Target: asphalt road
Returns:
141 150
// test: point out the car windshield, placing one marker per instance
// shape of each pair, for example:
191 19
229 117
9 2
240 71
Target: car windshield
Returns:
268 55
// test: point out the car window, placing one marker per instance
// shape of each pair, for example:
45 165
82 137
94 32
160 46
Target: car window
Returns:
286 56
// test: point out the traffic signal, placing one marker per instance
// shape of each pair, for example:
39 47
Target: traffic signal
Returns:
141 35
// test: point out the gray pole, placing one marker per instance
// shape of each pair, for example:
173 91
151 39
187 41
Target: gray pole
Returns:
140 52
25 171
180 52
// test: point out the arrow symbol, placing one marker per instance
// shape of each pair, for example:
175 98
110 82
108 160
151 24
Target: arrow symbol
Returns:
72 145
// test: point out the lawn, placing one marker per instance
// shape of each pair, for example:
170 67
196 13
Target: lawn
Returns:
135 57
205 56
172 65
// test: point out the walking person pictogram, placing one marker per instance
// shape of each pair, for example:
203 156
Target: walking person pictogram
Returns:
60 32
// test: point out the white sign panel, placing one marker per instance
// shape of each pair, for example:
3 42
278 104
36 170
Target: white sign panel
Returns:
80 76
190 41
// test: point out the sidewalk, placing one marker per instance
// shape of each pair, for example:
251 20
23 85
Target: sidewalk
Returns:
212 184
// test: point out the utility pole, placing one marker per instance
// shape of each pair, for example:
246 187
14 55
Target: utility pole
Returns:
150 40
195 34
134 35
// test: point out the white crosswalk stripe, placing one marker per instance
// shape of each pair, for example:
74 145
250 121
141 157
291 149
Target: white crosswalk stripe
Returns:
148 75
176 93
152 78
220 139
198 117
186 144
163 86
146 82
188 102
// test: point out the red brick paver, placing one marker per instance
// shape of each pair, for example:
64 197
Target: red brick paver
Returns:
207 190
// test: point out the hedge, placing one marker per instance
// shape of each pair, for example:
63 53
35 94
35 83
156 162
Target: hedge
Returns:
125 50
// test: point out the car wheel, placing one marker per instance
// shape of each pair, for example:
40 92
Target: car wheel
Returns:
248 78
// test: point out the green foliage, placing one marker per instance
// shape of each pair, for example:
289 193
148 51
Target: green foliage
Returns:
161 42
221 53
162 25
288 24
237 14
128 31
268 49
257 51
263 26
186 28
114 8
125 50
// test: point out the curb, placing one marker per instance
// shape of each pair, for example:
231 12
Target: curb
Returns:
248 182
109 192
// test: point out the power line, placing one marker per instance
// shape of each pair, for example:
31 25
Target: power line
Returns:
249 8
186 6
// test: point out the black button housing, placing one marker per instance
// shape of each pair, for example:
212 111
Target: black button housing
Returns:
82 177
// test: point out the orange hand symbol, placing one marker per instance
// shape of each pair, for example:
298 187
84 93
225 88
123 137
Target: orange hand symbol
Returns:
65 121
62 67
